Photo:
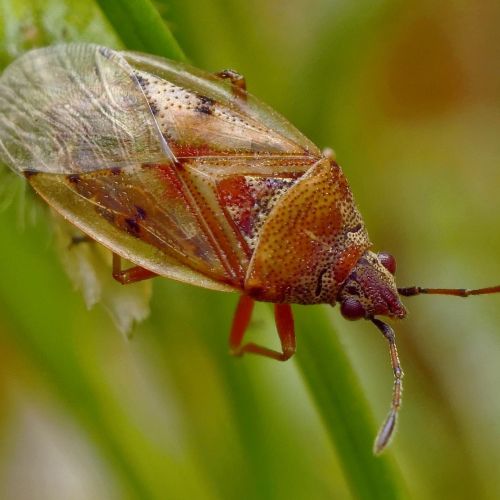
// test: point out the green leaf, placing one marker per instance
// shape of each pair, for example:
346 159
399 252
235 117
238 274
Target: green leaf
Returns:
141 27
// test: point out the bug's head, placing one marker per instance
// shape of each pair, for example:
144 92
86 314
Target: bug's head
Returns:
370 289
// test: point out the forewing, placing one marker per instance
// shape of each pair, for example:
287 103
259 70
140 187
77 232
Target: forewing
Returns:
164 164
200 115
75 108
143 213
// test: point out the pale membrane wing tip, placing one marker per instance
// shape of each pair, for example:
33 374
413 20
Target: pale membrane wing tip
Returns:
75 108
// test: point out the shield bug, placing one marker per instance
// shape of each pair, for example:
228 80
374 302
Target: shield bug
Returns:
187 176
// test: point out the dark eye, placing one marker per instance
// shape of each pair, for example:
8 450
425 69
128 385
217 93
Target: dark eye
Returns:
352 309
388 261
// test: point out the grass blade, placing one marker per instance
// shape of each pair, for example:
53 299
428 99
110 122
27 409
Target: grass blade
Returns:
335 388
141 27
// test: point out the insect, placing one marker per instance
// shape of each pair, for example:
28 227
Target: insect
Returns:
187 176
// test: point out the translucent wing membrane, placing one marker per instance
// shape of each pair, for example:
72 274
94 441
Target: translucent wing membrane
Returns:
73 109
79 108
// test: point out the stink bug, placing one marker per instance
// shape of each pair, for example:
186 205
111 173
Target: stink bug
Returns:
187 176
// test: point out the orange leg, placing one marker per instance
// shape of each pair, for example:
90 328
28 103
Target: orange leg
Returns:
131 275
284 325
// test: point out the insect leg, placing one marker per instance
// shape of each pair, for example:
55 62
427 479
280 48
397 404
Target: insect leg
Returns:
284 325
240 324
387 428
131 275
457 292
286 329
237 81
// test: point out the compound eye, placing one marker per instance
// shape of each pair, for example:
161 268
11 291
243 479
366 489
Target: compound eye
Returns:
352 309
388 261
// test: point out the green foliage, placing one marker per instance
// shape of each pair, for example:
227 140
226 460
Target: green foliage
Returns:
168 413
140 27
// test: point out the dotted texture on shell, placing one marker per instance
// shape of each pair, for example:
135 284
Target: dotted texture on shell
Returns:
310 242
194 124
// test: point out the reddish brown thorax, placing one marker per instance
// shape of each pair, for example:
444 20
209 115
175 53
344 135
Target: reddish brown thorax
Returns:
310 242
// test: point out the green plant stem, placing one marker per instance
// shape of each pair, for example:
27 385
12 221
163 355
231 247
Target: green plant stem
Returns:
342 406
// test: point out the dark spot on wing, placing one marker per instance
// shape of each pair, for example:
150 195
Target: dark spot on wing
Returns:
132 227
29 173
205 105
142 81
141 213
74 178
153 107
116 170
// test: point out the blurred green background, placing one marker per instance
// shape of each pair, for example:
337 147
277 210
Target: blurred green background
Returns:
408 95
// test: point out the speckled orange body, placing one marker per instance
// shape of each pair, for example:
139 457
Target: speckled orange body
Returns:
230 192
185 175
